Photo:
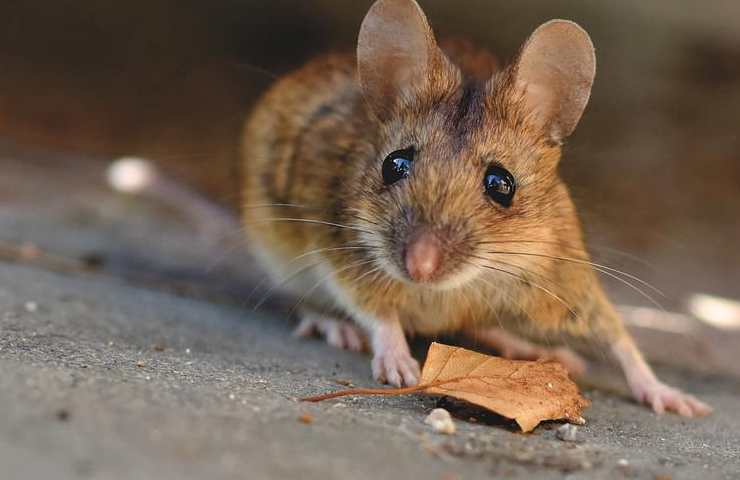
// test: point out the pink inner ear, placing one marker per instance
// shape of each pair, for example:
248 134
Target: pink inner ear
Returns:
556 70
394 51
541 102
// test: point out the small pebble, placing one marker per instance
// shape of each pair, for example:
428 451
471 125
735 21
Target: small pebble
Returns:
441 421
306 418
623 462
567 433
31 307
232 396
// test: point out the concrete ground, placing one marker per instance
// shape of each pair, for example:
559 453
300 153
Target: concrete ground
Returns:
128 350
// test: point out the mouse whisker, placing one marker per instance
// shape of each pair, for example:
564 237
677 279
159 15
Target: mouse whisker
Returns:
324 279
579 248
487 301
285 281
582 261
317 251
609 271
257 206
309 221
543 281
525 271
373 271
524 328
356 215
526 280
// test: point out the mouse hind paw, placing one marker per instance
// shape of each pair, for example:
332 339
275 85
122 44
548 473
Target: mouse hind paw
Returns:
664 398
338 333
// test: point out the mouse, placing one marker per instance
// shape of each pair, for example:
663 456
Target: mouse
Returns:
412 188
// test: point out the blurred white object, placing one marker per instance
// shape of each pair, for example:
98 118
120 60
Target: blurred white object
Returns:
131 175
719 312
441 421
137 176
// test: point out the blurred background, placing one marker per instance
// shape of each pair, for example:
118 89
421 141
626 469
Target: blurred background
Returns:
654 165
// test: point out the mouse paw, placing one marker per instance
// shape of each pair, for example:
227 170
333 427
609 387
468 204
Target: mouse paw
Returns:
662 398
396 367
574 363
514 347
338 333
647 389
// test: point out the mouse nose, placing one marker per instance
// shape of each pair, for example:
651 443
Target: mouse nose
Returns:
423 256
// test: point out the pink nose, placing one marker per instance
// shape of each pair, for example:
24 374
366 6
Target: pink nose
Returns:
423 257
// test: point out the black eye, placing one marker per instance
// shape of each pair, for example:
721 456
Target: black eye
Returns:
397 165
500 185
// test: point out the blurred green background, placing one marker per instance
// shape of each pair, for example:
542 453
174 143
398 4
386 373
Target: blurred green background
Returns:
654 166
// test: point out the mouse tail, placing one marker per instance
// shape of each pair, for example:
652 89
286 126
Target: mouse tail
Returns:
137 176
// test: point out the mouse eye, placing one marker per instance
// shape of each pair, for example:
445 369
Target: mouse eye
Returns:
500 185
397 165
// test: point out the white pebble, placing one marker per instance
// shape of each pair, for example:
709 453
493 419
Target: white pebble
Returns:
31 307
567 433
441 421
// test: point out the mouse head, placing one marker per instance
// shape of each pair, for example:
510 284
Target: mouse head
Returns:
464 167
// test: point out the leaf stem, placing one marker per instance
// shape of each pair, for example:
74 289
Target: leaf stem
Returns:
382 391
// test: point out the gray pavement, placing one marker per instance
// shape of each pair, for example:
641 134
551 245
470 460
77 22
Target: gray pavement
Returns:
131 353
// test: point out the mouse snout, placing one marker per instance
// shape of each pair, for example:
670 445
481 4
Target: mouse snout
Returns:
423 256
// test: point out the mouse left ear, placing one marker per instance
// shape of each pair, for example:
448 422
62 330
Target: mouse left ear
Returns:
397 55
555 73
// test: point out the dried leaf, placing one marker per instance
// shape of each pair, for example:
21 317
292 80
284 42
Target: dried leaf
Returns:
527 392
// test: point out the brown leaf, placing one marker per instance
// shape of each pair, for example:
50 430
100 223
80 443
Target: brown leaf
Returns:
527 392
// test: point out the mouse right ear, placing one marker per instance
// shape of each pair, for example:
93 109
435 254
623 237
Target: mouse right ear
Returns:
397 55
555 73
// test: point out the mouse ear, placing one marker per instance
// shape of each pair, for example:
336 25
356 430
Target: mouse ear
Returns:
396 54
555 72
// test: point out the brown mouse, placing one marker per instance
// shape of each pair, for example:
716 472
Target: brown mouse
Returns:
415 189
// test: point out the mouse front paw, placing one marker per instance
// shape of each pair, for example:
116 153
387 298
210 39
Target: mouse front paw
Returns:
664 398
396 367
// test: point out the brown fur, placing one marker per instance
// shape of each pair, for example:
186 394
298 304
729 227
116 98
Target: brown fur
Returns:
312 142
